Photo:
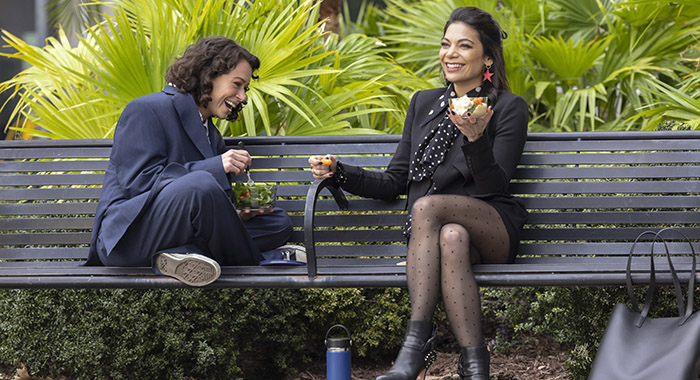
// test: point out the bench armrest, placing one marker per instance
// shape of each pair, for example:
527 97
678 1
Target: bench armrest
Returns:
309 213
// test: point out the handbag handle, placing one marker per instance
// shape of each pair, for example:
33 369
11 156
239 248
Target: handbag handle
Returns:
674 276
652 280
691 281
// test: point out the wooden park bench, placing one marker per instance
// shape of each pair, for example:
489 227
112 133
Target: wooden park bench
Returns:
589 194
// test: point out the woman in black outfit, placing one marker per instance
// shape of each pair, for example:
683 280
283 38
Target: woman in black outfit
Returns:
456 171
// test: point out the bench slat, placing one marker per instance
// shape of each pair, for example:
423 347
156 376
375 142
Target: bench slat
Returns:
53 153
46 238
644 158
68 223
611 202
631 145
53 253
588 248
51 179
612 217
307 150
57 193
606 173
57 209
52 166
596 234
605 187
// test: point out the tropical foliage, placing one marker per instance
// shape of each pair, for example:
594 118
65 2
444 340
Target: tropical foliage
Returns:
309 83
584 65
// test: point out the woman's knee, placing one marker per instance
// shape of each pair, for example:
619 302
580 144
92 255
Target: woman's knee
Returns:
422 208
199 182
454 241
198 187
454 234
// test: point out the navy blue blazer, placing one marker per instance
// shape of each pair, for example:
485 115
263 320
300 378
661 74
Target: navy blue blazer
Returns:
158 138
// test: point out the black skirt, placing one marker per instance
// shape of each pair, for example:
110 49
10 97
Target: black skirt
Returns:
512 211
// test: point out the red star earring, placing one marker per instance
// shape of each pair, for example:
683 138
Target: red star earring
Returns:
488 74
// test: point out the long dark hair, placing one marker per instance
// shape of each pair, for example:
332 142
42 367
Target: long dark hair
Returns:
205 60
491 37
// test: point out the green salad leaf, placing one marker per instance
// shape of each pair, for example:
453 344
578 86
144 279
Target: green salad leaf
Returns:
256 196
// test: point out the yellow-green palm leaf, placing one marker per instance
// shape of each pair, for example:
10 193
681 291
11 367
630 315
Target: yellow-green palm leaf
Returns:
566 59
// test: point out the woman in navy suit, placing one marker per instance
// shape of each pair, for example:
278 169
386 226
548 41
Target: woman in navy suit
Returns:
166 199
455 171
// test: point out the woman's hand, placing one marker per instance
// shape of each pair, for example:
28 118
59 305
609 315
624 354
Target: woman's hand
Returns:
250 214
322 167
472 127
235 161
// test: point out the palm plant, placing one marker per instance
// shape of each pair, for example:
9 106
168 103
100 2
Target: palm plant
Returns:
673 104
598 79
568 62
582 65
586 65
74 15
363 76
413 31
79 92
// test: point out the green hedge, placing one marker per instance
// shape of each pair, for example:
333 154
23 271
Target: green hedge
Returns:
177 334
267 333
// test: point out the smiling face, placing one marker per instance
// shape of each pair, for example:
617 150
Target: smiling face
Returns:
462 57
229 90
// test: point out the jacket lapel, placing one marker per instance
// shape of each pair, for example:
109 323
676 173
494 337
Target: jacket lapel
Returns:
436 107
192 123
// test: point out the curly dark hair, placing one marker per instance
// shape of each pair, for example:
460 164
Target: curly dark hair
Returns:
491 36
204 61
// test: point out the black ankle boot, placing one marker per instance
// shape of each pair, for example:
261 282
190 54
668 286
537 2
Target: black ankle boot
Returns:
474 363
417 353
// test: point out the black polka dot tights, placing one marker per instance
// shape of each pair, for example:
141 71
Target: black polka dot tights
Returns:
450 233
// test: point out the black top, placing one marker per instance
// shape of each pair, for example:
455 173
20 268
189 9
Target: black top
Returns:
481 169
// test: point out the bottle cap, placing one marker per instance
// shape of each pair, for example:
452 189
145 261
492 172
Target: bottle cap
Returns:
338 343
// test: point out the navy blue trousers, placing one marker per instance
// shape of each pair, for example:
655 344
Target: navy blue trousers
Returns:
193 214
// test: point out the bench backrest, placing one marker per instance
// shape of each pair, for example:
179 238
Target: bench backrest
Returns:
588 193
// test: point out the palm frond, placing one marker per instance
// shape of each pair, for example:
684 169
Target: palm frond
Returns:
679 104
578 19
73 15
567 60
576 107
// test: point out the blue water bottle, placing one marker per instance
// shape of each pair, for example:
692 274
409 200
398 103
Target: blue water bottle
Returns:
338 356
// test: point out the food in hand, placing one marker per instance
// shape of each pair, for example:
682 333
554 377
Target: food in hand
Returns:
464 105
327 161
255 197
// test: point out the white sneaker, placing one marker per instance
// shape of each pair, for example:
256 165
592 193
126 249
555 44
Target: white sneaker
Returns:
191 268
293 252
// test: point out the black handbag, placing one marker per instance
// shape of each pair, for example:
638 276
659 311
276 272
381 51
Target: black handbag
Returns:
635 347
